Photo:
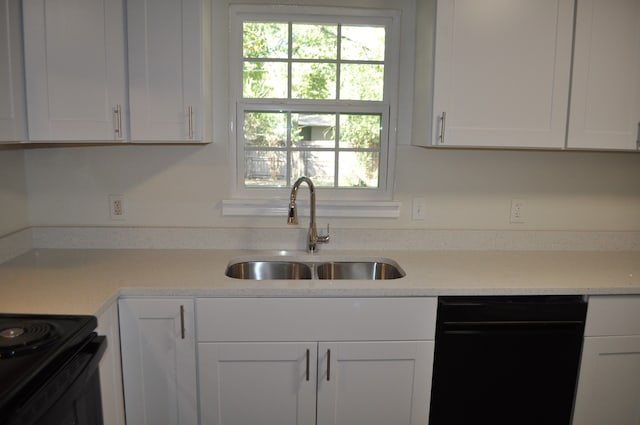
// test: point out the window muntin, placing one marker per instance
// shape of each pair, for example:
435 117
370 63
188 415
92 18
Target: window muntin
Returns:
334 149
304 107
288 60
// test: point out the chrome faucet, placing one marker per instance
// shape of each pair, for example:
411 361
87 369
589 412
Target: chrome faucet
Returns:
313 238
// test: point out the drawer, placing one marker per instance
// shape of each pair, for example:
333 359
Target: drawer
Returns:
315 319
613 316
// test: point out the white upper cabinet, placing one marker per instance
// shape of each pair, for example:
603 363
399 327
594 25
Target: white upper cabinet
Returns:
605 94
166 70
502 73
12 107
75 70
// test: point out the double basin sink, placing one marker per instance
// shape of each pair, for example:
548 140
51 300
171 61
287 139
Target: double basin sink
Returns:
285 269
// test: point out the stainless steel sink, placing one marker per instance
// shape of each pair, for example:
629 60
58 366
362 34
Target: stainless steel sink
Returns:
363 270
269 270
284 269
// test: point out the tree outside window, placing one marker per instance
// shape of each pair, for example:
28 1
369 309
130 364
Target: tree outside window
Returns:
313 103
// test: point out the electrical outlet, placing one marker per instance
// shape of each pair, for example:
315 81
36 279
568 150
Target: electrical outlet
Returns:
419 206
517 211
116 207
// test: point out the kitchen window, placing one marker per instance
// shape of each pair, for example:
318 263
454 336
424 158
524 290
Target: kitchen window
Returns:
314 92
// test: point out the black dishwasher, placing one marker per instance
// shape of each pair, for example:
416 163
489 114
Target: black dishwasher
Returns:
506 360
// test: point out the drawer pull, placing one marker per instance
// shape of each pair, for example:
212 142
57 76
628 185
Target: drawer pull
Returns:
443 124
118 112
328 365
307 364
182 321
190 113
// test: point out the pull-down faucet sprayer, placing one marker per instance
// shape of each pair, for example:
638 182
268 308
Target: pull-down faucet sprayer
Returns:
313 237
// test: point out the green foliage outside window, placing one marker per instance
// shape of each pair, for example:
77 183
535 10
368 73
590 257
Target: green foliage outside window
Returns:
325 62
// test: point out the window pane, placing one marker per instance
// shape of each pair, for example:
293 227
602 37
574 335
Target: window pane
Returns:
265 40
362 82
312 100
363 43
360 131
313 130
265 129
313 81
265 169
265 80
319 166
314 41
358 169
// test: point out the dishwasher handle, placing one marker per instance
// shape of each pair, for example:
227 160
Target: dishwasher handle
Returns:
508 309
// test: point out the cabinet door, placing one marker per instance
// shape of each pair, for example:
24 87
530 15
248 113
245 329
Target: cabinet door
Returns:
158 361
374 383
609 384
75 70
257 383
165 69
502 73
605 93
12 107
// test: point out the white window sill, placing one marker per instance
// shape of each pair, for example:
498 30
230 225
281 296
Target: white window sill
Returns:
279 207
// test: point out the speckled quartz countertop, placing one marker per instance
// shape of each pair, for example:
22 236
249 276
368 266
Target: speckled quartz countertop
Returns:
86 281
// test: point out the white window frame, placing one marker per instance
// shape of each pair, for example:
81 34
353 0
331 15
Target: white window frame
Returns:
248 198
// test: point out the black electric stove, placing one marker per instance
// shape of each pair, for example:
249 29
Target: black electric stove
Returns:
48 365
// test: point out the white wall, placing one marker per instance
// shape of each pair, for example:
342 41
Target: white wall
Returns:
473 189
13 192
464 189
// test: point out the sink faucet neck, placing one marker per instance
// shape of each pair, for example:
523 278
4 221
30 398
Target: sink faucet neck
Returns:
313 238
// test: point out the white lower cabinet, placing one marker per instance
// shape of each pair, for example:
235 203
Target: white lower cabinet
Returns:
381 382
257 383
159 361
345 361
609 383
374 383
609 388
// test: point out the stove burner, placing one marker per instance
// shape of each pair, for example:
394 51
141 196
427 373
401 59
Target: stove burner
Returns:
11 333
24 337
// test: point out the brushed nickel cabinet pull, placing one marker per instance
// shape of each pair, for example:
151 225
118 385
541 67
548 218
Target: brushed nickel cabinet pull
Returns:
182 321
328 365
307 364
443 123
118 111
190 113
638 139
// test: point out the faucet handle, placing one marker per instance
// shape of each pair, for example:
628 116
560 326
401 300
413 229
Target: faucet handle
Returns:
324 238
